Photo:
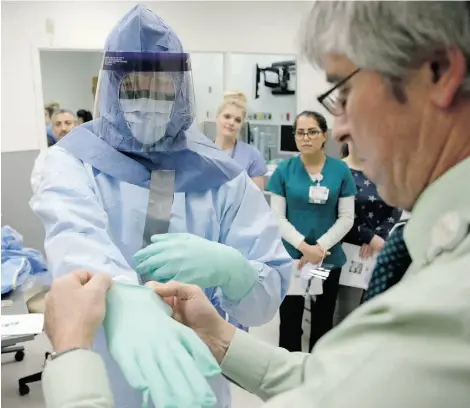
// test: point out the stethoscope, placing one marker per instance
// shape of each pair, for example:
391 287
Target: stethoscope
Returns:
232 155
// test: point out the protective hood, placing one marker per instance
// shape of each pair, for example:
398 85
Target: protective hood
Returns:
142 42
142 33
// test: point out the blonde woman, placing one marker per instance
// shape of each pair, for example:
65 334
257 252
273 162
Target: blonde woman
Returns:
230 117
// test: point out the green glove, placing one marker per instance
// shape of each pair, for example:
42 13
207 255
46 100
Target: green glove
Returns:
158 356
191 259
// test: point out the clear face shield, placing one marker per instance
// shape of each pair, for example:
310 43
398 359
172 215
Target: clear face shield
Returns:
155 93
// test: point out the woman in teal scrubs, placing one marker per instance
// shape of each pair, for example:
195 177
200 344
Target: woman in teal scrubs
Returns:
313 197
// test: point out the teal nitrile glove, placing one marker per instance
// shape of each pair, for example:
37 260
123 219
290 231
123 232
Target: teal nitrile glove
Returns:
191 259
158 356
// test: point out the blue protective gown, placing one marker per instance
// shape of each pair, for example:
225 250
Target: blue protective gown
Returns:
93 197
19 263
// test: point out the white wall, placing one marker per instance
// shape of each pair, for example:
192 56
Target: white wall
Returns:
242 77
260 27
310 84
67 78
208 77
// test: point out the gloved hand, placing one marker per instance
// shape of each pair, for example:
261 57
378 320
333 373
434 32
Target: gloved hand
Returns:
158 356
191 259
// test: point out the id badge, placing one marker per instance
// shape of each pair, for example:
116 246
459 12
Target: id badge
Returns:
318 195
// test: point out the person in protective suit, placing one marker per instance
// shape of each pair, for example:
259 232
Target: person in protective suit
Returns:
141 168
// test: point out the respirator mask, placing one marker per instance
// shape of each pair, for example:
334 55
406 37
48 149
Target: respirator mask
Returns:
147 119
147 101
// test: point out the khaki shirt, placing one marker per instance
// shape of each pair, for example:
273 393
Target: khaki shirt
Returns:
76 379
409 347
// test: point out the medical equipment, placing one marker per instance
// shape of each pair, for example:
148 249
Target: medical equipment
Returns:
264 138
147 118
18 303
280 77
191 259
274 141
287 140
160 357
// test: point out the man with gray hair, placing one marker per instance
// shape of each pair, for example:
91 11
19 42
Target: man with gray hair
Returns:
401 97
63 121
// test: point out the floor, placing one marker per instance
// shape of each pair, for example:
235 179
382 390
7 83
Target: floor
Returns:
12 370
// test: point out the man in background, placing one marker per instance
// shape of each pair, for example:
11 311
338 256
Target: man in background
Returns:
63 121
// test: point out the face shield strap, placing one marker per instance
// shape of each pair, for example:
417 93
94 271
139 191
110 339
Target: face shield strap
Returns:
96 107
126 62
145 94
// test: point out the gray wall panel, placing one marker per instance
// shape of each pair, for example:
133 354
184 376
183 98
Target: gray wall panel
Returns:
16 193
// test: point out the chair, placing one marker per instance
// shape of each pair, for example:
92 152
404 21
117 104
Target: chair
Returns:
18 350
35 305
12 344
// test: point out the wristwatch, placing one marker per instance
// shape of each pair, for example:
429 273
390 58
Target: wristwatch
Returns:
52 356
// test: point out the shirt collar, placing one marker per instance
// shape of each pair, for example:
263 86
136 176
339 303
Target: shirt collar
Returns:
449 193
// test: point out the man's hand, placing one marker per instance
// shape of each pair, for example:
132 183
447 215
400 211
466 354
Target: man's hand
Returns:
192 308
75 308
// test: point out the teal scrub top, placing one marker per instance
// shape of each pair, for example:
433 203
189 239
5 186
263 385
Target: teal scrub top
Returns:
292 181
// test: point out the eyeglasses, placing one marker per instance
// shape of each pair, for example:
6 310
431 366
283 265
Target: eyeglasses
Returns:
310 133
333 100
